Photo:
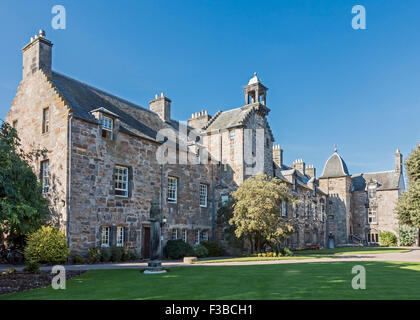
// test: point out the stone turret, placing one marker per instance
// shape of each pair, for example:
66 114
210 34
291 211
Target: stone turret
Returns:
37 55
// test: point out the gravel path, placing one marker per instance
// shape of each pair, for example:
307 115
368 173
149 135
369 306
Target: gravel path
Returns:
412 256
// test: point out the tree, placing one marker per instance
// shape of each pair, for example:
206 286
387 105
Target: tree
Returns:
412 165
256 212
23 209
408 207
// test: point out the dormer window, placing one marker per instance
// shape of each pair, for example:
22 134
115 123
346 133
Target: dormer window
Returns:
107 127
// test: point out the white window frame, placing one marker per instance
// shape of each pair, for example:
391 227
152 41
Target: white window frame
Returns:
46 120
185 235
107 123
204 235
224 199
197 235
172 189
105 237
322 207
203 195
121 181
294 207
283 208
232 134
314 211
45 176
372 215
174 234
120 237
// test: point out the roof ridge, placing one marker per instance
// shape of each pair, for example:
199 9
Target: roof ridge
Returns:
132 104
386 171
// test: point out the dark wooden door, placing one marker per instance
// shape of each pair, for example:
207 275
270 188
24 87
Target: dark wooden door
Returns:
146 242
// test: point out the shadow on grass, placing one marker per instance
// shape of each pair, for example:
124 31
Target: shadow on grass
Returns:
320 280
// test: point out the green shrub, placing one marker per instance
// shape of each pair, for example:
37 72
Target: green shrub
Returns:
286 252
213 248
31 266
407 235
125 256
47 245
200 251
105 255
177 249
387 239
133 255
76 258
116 254
94 255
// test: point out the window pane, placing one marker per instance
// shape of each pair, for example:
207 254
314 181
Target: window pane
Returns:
120 181
203 195
172 189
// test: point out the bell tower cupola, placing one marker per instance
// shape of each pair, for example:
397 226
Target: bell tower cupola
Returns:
255 91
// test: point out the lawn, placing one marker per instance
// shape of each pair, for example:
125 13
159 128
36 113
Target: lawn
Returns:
321 280
311 254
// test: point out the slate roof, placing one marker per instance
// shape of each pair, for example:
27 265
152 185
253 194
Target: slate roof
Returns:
83 99
387 180
335 167
233 117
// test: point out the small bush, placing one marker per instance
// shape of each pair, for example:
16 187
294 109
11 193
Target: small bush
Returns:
47 245
31 266
94 255
105 255
387 238
133 255
125 256
286 252
177 249
116 254
76 258
200 251
213 248
407 235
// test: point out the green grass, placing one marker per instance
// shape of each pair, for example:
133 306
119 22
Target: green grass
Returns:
320 280
356 250
311 254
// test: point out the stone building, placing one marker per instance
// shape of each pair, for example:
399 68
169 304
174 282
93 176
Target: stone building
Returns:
108 159
360 206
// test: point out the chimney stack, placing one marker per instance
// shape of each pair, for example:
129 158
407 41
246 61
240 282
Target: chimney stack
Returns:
299 165
310 171
37 55
398 161
162 106
278 155
199 119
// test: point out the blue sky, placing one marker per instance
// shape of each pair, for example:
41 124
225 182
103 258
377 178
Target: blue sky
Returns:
328 84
